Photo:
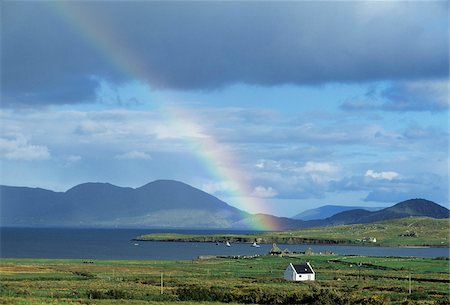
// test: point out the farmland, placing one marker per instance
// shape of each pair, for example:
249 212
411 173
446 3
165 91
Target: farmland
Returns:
340 280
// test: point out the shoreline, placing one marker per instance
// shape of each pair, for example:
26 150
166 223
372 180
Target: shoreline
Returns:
270 240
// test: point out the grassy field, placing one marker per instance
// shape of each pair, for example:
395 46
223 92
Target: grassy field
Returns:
340 280
428 232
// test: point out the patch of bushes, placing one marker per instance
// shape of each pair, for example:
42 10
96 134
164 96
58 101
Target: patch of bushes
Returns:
166 297
442 301
373 300
109 294
419 295
322 296
86 275
119 294
442 258
222 294
318 296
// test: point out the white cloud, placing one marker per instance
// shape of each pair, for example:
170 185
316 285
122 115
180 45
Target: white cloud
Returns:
307 164
69 160
90 127
381 175
218 187
296 167
18 148
72 158
134 155
264 192
260 164
320 167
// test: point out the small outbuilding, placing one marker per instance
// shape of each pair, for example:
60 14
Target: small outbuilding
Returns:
275 250
299 272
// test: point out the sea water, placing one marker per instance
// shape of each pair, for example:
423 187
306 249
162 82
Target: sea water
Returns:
113 244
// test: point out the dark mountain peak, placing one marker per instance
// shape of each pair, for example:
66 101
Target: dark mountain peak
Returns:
346 217
176 194
167 187
89 186
159 203
415 203
165 183
420 207
353 213
411 207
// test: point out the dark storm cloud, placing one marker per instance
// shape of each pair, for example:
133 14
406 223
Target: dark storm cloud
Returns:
207 45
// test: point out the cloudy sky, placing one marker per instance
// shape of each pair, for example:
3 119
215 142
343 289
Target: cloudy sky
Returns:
271 106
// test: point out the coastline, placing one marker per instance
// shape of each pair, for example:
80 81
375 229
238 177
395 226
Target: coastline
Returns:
250 239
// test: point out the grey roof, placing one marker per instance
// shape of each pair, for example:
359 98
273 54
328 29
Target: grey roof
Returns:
303 268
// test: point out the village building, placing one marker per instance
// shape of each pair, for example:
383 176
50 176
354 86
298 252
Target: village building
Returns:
300 272
276 251
368 240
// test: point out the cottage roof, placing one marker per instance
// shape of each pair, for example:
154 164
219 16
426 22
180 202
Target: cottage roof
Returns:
303 268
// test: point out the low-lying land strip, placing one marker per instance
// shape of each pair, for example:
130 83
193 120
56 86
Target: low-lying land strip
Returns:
257 280
413 232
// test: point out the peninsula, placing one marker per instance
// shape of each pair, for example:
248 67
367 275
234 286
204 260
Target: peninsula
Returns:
406 232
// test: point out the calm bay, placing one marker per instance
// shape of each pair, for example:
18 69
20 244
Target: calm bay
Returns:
117 244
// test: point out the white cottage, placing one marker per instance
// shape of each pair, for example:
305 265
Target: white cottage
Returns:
303 272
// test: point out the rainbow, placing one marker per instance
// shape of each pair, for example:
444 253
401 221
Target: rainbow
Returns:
216 157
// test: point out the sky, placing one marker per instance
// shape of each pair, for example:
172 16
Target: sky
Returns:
273 106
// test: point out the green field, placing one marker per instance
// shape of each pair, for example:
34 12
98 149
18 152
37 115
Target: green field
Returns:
427 232
340 280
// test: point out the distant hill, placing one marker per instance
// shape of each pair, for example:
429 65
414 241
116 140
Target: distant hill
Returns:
329 210
162 203
427 232
408 208
410 231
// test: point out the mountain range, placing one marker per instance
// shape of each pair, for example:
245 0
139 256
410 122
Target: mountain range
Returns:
328 211
166 204
162 203
408 208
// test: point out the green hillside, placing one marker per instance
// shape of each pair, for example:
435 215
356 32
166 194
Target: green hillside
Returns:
412 231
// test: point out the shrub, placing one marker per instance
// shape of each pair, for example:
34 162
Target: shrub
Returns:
323 296
86 275
442 258
95 294
319 296
166 297
442 301
419 295
110 294
117 294
374 300
246 296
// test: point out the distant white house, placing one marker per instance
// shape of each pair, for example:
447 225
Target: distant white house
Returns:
369 239
302 272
